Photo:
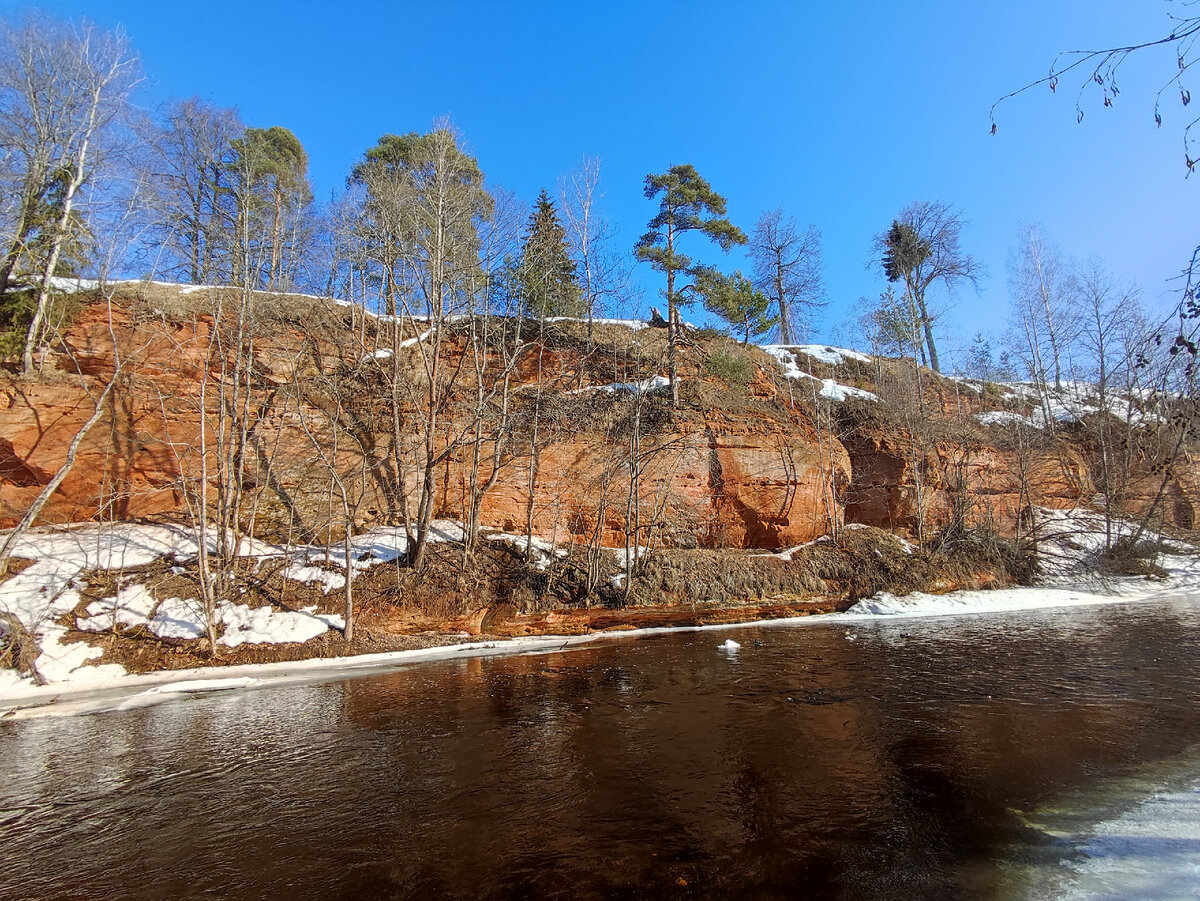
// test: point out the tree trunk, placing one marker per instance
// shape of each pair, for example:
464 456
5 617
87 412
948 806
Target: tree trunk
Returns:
785 326
56 242
35 508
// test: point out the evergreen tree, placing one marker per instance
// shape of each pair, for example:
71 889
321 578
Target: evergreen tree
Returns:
688 203
738 302
980 364
548 281
270 173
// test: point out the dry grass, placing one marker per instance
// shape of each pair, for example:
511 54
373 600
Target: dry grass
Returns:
1126 558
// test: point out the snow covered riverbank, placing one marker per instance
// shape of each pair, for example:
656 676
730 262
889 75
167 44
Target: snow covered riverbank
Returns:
47 591
23 700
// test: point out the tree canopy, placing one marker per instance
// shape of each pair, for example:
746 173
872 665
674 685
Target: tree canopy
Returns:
738 302
686 203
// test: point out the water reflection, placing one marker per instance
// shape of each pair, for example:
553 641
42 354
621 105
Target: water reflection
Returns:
884 766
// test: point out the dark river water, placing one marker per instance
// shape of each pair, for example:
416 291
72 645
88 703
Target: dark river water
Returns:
888 759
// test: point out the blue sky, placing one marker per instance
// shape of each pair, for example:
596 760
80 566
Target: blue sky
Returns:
839 113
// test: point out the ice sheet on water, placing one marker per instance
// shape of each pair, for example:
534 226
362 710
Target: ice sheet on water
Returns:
1133 836
965 602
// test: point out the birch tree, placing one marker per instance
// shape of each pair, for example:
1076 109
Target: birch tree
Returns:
62 90
425 201
1044 305
603 273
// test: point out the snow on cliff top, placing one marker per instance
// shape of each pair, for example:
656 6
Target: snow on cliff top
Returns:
75 285
830 389
823 353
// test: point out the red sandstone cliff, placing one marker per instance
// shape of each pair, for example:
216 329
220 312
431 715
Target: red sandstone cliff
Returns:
739 465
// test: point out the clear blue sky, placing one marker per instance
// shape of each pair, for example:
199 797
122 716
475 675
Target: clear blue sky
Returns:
840 113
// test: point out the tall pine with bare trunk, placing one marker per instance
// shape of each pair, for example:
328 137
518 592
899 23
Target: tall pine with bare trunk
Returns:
686 203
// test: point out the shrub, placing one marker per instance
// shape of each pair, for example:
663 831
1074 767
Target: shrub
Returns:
1125 558
731 368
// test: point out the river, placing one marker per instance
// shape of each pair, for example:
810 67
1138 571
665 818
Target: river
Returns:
1014 755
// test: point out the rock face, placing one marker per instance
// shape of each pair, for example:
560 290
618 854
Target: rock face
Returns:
711 479
713 483
746 466
984 484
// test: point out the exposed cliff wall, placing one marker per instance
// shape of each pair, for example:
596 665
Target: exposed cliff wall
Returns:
753 462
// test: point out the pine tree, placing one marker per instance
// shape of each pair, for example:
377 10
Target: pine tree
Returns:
738 302
548 280
271 169
688 203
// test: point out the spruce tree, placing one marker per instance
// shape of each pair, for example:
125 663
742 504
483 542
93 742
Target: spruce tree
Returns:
688 203
548 281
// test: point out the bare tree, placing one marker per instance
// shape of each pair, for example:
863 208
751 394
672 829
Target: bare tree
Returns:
191 158
787 268
1108 343
604 273
1044 298
61 90
495 348
922 249
329 390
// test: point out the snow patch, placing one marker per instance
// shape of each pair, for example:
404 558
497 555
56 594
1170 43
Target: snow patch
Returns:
58 661
833 391
1001 417
413 342
830 389
643 387
178 618
544 552
328 580
38 594
824 353
1068 403
265 625
130 607
635 324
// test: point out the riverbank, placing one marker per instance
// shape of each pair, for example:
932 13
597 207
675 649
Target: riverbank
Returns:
23 700
106 609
